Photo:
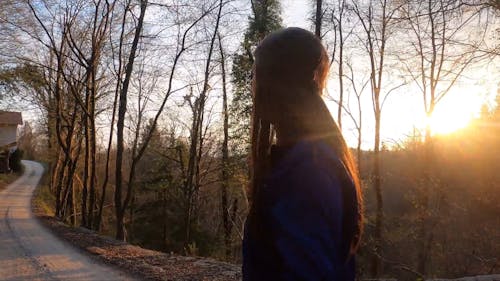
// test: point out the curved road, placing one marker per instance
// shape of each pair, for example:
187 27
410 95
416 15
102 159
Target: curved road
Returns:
28 251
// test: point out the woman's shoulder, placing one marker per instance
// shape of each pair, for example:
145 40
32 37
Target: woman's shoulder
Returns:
315 157
309 184
308 164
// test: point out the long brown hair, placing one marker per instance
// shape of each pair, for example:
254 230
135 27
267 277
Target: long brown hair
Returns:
290 71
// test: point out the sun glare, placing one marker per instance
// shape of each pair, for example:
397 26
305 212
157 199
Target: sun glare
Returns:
447 122
453 115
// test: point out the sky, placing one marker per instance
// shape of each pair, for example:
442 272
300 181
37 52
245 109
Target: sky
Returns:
403 110
296 12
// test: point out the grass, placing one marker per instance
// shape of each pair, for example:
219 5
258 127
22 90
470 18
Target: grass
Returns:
6 179
43 200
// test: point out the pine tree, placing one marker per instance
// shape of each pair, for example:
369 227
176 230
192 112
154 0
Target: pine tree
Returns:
264 20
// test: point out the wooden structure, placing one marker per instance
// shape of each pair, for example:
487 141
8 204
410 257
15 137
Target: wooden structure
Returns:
8 136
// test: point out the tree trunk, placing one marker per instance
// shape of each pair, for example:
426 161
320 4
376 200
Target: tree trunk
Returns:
195 149
54 172
164 216
120 227
92 190
424 236
358 152
341 61
377 184
131 218
188 186
341 77
59 183
318 18
122 108
113 117
86 171
225 158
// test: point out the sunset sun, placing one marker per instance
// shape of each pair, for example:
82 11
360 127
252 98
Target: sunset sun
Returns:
446 122
453 114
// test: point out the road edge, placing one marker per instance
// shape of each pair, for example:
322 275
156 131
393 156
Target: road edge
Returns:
139 262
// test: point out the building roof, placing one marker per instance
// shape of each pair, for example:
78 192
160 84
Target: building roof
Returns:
10 118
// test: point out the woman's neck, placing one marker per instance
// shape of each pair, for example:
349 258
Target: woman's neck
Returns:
288 134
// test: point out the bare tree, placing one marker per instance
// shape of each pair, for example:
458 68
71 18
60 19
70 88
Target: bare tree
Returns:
358 87
117 56
87 50
228 216
182 46
196 140
339 16
376 19
61 75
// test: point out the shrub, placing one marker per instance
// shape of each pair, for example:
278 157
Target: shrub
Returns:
15 161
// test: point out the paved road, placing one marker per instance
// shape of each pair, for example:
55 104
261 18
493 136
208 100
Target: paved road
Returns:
28 251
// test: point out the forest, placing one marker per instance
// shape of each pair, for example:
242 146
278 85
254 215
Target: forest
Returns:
140 111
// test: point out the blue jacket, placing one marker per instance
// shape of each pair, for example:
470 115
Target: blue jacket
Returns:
299 213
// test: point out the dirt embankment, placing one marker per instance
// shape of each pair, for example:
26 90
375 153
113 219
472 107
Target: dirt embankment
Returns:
6 179
146 264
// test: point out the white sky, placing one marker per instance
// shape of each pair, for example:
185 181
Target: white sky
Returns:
296 13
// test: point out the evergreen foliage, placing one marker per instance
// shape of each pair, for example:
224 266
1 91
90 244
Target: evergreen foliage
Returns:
266 18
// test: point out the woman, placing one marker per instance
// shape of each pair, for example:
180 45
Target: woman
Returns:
305 218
